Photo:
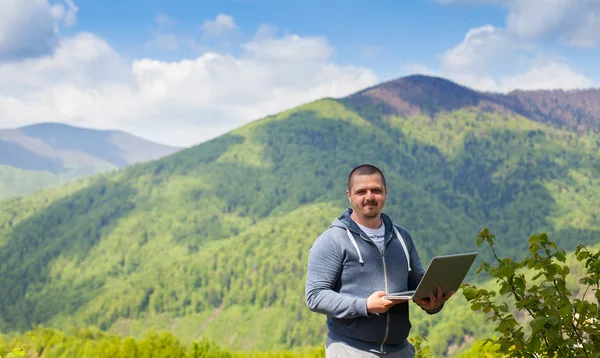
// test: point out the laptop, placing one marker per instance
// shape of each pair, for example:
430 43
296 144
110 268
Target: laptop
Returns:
446 271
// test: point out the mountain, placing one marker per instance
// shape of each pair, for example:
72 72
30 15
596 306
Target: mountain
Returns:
574 110
48 154
212 241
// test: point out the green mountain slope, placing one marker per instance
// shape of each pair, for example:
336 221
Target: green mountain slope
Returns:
45 155
212 241
458 332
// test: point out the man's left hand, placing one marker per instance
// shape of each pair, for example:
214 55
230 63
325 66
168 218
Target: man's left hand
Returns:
433 302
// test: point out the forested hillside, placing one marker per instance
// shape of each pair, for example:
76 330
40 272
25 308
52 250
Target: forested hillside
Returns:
212 241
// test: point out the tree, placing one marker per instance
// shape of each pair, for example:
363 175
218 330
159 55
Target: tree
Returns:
544 319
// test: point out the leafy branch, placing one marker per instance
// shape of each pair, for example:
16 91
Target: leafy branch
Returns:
560 324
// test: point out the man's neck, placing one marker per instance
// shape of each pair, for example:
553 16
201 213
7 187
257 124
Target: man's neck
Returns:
371 223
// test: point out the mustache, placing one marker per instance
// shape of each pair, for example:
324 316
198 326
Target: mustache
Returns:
370 202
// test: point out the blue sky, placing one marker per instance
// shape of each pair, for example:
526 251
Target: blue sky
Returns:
378 34
383 35
181 72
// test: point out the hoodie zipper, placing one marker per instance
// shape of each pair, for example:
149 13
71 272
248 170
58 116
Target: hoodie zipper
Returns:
385 284
387 324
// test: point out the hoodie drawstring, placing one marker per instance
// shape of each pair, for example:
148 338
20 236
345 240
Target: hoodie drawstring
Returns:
403 246
400 238
355 246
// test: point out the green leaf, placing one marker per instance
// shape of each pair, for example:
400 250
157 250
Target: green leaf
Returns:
552 320
560 256
581 307
469 293
506 271
597 294
504 326
479 241
476 306
534 345
583 255
534 239
565 309
519 283
538 323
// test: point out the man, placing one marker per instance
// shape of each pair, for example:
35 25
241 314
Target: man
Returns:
354 263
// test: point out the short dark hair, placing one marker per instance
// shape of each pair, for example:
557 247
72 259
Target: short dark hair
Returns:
365 169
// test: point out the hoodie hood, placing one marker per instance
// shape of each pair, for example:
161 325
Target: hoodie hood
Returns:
344 221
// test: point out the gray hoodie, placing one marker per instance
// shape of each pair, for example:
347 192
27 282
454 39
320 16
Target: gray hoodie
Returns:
345 267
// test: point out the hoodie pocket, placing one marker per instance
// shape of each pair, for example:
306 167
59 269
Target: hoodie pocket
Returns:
368 329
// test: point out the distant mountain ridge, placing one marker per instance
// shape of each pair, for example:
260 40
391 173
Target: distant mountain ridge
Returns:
577 110
60 153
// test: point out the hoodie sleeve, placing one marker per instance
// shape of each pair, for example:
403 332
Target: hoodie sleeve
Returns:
324 269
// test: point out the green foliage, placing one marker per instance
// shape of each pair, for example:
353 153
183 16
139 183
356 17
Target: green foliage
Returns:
17 352
212 241
421 348
560 323
481 349
92 343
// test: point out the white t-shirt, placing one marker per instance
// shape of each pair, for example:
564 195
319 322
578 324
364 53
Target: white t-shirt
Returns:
377 235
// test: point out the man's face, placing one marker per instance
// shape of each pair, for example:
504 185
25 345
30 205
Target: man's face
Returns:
367 195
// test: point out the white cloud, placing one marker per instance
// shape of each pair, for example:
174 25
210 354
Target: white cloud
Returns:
84 61
182 102
541 73
573 22
549 75
220 24
483 50
479 46
503 59
70 15
171 42
29 28
576 22
167 38
289 48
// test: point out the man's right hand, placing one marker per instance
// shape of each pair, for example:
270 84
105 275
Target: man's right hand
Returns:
377 304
